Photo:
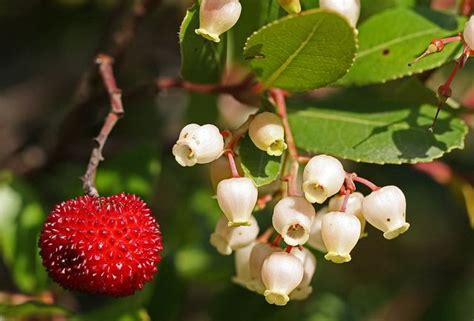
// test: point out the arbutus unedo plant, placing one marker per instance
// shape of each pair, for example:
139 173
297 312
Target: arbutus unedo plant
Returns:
296 110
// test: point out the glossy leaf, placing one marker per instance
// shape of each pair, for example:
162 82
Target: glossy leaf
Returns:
257 164
389 41
302 52
380 129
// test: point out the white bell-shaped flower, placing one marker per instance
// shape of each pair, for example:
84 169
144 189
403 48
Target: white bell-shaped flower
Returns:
323 177
232 112
226 238
468 33
385 209
281 274
340 232
237 198
258 255
220 170
242 265
292 219
315 237
290 6
198 145
267 133
304 289
354 206
217 17
350 9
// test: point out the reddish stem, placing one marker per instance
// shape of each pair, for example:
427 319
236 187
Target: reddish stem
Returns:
366 182
247 83
233 166
265 236
278 96
276 241
263 201
347 194
444 91
116 112
292 179
466 7
289 248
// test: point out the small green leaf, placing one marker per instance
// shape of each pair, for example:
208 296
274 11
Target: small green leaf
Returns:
389 41
257 164
31 309
129 309
201 59
21 218
367 127
302 52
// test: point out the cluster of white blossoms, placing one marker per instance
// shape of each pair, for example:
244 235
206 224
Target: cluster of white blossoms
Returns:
283 274
218 16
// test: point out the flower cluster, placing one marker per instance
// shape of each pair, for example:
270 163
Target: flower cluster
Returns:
284 274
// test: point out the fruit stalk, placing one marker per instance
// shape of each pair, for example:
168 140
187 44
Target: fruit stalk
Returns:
105 63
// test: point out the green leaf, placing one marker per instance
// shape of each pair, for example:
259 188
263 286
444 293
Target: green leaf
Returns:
254 15
302 52
129 309
257 164
31 309
389 41
21 218
377 128
201 59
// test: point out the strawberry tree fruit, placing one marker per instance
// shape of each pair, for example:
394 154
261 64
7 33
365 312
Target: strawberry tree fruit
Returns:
103 245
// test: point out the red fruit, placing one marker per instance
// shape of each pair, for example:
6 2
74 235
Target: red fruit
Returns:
106 245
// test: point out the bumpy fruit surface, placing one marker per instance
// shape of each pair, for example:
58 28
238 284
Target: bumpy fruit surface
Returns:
104 245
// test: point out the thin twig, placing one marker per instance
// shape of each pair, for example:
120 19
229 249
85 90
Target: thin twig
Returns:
278 96
246 84
114 42
105 63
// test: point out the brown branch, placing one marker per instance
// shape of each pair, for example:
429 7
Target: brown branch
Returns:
114 42
105 63
248 83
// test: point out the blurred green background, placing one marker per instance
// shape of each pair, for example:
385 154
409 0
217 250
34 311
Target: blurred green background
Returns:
46 130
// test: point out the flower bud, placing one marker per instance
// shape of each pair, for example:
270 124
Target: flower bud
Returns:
385 209
198 145
281 274
232 112
315 237
258 255
237 198
226 238
323 177
292 219
216 17
468 33
242 265
349 9
220 170
267 133
340 232
304 289
290 6
354 207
